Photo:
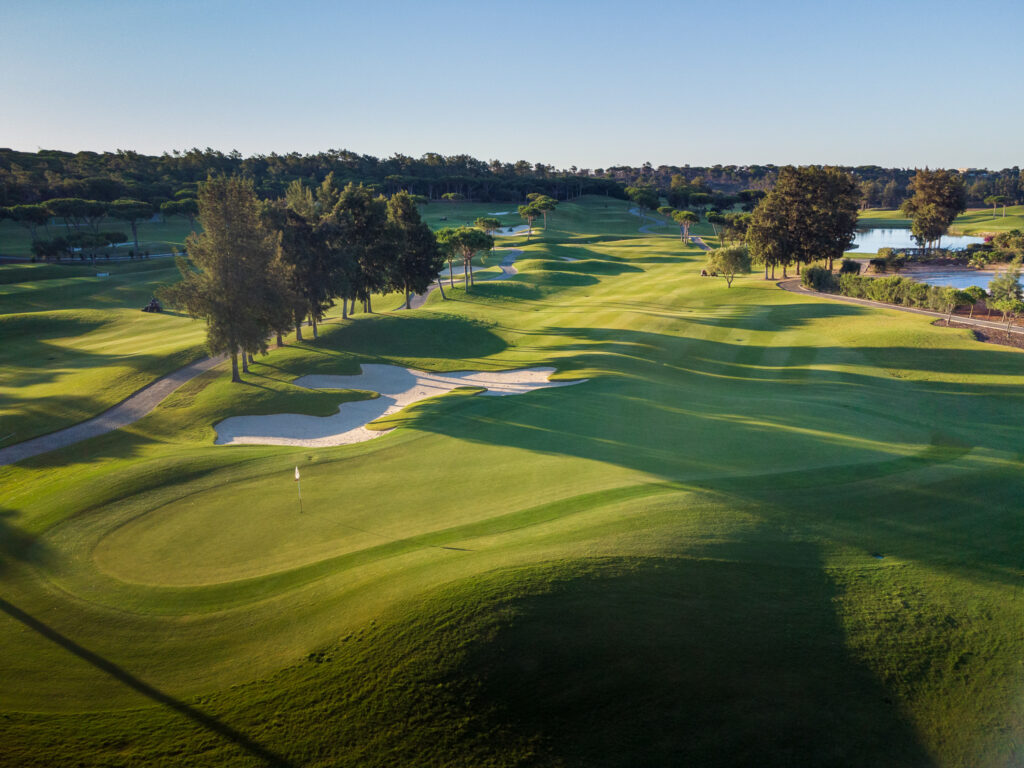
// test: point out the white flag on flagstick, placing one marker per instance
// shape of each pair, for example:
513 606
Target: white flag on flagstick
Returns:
296 474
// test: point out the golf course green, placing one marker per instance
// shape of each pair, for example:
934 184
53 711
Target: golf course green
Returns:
769 529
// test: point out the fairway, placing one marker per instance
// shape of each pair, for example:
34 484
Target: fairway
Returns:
767 529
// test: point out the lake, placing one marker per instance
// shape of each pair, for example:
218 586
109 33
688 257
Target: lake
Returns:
871 240
958 278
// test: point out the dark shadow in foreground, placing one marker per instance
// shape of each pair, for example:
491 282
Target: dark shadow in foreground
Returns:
201 718
683 662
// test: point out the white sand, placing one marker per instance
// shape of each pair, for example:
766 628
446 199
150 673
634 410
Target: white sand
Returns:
510 231
500 213
398 387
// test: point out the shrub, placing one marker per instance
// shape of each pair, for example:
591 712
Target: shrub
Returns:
854 285
880 266
849 267
887 289
819 279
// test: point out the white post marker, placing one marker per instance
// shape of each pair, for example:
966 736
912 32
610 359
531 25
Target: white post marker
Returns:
298 484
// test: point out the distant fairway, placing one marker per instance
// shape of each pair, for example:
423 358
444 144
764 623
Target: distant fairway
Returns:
769 530
76 345
158 236
976 221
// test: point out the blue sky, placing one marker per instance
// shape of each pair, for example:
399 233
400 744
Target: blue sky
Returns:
590 84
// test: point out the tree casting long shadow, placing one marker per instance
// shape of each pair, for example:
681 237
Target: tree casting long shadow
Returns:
197 716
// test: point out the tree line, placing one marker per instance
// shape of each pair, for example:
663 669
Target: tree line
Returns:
33 177
259 269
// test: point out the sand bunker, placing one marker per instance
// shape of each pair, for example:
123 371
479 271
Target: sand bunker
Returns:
398 387
509 231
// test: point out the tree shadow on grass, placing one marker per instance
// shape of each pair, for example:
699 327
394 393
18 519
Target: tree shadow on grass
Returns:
120 674
704 411
412 335
777 318
590 267
716 662
18 546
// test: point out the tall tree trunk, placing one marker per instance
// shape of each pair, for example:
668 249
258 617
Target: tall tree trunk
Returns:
251 358
465 276
408 297
451 276
440 286
298 331
245 361
280 340
369 305
344 308
234 366
312 321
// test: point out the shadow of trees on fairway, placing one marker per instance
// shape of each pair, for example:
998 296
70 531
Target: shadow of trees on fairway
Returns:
17 545
197 716
685 662
765 317
405 335
812 427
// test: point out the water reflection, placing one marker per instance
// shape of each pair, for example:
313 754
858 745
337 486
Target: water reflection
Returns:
871 240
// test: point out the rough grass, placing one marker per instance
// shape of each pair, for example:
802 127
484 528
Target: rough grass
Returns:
770 529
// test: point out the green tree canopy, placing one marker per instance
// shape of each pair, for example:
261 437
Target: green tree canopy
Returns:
645 198
685 219
529 213
31 217
234 277
938 198
464 242
729 262
132 211
811 214
417 259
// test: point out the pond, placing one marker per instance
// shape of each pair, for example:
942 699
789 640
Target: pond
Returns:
870 240
958 278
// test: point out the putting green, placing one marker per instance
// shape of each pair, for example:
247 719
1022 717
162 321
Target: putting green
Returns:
764 513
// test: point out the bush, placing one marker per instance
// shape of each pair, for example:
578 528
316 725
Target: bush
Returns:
854 285
849 267
819 279
881 266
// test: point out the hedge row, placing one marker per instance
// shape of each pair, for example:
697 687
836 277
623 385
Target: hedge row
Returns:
891 290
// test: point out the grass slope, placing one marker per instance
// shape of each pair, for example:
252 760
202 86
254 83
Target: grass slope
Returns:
76 344
769 529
